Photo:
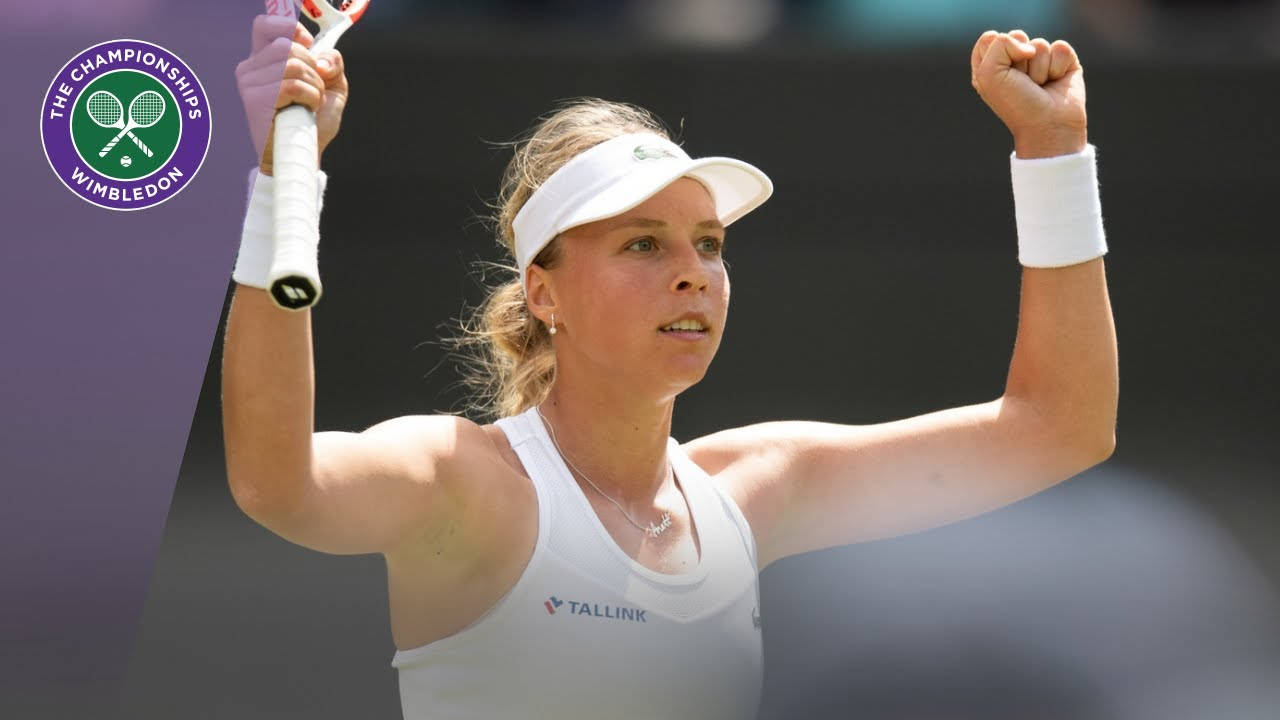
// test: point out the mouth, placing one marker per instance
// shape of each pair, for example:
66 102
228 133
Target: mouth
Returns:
689 327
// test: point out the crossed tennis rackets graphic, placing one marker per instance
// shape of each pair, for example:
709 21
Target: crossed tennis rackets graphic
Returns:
145 110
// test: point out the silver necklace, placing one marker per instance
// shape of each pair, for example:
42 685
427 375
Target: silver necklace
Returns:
652 530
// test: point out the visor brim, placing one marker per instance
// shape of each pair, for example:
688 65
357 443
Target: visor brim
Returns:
736 187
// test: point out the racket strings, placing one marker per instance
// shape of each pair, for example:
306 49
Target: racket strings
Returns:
146 109
104 108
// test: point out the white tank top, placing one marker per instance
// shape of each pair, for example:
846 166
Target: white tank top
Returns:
587 632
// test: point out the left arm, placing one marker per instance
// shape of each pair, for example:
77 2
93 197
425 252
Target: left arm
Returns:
810 485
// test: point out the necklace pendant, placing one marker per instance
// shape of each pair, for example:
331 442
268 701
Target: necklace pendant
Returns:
656 530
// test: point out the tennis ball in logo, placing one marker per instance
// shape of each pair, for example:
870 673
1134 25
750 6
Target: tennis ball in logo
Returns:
126 125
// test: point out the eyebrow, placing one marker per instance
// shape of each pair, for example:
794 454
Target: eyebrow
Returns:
651 223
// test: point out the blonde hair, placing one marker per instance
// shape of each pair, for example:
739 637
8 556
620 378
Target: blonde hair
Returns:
506 354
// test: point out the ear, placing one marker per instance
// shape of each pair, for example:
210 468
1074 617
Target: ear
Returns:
540 292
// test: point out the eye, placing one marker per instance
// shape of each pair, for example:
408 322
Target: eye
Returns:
711 243
646 242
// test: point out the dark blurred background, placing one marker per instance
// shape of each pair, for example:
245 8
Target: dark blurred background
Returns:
880 282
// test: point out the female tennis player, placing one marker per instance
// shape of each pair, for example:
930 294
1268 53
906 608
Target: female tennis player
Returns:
571 559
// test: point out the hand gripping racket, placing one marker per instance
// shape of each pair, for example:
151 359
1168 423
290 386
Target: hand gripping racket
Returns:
294 279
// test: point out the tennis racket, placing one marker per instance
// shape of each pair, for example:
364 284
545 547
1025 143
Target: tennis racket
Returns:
295 276
145 110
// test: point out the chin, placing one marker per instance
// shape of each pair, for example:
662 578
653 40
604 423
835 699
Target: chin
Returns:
689 377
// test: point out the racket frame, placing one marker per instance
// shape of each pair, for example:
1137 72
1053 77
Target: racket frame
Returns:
127 123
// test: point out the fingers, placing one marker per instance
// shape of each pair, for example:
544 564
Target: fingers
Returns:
302 82
332 69
281 71
1063 59
303 36
272 45
1005 52
298 92
980 51
291 67
1041 61
329 64
267 28
270 57
1038 66
270 65
1022 65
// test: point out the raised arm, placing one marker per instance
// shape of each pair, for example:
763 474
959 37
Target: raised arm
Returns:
809 485
337 492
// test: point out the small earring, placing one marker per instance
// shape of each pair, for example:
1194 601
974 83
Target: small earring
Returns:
552 327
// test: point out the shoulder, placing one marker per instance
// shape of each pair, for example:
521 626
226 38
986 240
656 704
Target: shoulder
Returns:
734 447
483 460
460 446
458 449
750 465
468 462
491 499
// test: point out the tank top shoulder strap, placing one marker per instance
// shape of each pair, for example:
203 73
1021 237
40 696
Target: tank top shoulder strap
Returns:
523 437
687 468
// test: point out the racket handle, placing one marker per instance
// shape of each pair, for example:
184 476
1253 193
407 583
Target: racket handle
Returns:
294 280
103 152
141 145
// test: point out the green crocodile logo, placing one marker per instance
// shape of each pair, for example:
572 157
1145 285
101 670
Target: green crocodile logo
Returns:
650 152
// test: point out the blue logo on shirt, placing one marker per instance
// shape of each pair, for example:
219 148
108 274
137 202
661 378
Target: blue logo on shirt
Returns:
600 610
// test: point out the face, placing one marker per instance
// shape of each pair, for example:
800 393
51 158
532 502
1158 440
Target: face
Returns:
624 278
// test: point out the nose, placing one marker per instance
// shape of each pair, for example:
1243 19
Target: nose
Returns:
691 272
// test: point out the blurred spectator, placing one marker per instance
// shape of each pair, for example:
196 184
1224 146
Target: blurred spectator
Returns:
717 23
1200 28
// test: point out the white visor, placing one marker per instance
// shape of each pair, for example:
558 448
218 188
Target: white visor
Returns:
619 174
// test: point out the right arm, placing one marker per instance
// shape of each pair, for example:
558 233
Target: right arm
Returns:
337 492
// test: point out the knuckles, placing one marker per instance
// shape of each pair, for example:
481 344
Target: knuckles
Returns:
280 45
296 67
294 90
280 61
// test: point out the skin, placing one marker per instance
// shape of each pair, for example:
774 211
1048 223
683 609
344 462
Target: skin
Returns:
622 279
279 72
448 503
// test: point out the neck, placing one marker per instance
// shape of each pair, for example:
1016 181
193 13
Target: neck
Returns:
615 438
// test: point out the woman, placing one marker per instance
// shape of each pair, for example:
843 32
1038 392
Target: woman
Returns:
571 559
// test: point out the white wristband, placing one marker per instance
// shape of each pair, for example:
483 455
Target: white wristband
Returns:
257 240
1058 210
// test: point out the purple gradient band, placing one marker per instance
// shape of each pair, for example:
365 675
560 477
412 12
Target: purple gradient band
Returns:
106 324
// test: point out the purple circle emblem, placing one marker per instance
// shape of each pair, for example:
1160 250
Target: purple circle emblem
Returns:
125 124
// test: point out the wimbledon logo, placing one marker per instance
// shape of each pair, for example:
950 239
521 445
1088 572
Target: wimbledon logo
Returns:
125 125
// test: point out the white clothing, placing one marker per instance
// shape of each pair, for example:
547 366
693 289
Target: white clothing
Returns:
587 632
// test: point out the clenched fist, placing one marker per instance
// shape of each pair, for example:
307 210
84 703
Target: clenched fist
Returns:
1036 88
281 71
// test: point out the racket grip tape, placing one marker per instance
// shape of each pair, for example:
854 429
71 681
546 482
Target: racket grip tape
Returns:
141 145
294 279
107 149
